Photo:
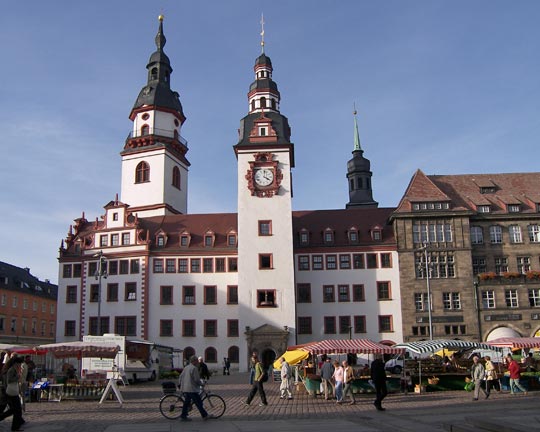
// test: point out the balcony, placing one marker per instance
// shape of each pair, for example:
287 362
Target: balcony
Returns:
509 278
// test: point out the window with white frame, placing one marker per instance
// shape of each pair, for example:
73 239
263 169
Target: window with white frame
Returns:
488 299
534 297
534 233
523 264
514 208
477 235
420 301
501 265
495 234
432 232
511 298
478 265
515 234
484 209
440 265
451 301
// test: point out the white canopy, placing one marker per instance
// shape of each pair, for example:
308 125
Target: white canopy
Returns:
422 347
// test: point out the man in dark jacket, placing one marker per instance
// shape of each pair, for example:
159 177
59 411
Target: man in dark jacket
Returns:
378 376
204 373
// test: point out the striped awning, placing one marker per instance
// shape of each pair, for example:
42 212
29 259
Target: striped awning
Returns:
431 346
81 349
349 346
515 342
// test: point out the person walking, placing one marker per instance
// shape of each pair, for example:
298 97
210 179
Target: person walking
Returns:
515 375
348 378
338 380
491 375
189 383
259 377
286 380
327 371
378 377
252 363
226 366
10 383
204 373
477 374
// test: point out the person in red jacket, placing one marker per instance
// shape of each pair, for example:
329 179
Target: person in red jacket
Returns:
515 374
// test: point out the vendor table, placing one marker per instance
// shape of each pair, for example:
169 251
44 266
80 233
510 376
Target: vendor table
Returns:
55 392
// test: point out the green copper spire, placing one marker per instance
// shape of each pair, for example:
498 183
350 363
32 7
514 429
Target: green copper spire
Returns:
356 134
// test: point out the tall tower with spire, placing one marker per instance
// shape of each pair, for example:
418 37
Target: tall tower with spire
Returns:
154 164
359 176
265 250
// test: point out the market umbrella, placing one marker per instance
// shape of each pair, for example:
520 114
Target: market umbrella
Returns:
80 349
292 357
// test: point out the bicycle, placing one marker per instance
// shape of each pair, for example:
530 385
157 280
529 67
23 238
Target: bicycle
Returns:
170 405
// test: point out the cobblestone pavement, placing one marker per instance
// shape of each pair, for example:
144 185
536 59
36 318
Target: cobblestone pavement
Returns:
412 412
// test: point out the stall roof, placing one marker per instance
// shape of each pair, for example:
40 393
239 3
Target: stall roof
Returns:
81 349
348 346
428 346
515 342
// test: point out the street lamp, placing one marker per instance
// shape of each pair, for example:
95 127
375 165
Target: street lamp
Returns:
101 272
424 249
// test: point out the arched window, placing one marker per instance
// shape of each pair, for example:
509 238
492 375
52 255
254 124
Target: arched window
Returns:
188 352
153 74
142 173
145 130
274 104
234 354
210 355
253 105
176 177
263 102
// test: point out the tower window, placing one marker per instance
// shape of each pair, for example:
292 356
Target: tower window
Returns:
274 104
142 173
262 131
145 130
176 177
360 182
263 102
253 105
154 74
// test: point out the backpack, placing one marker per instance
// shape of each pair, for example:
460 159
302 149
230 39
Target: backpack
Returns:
264 376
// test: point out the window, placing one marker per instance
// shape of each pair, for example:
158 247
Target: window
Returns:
166 295
328 294
208 240
124 266
265 228
94 293
303 293
420 301
514 208
265 261
112 292
328 236
231 239
451 301
104 327
71 294
317 262
233 264
304 237
383 291
188 295
188 328
478 265
195 265
329 325
208 265
451 330
386 260
182 265
77 270
184 240
134 266
176 177
210 328
232 294
358 261
113 267
440 265
515 234
234 354
14 302
210 295
115 216
477 235
126 326
484 209
495 234
115 239
353 236
343 293
166 327
266 298
371 260
304 325
160 241
145 129
142 173
104 240
233 328
303 262
376 235
66 272
432 232
534 297
69 328
220 265
125 239
360 324
501 265
210 355
345 261
523 264
511 298
131 291
331 263
345 324
534 233
385 323
170 265
358 293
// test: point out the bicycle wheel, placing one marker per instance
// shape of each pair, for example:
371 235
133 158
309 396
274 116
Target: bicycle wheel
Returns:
171 405
214 405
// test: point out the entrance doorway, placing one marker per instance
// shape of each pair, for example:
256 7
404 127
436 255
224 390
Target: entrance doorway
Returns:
268 357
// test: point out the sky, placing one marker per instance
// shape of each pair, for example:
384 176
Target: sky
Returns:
448 87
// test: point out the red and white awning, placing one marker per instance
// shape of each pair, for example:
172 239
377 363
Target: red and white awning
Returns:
349 346
515 342
81 349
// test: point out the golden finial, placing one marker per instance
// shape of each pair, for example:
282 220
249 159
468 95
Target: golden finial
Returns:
160 17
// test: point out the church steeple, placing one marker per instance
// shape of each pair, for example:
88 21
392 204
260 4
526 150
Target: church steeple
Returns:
359 175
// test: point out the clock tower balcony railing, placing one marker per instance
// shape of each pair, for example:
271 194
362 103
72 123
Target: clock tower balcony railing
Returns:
165 133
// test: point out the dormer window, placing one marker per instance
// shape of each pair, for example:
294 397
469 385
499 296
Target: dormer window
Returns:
353 235
328 236
484 209
487 189
514 208
304 237
184 240
161 241
231 239
209 239
376 234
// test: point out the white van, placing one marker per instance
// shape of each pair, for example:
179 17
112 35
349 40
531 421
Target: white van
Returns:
395 364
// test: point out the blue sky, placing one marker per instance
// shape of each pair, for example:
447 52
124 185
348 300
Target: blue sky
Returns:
449 87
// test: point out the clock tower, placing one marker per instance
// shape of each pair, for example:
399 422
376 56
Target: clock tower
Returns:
154 164
265 157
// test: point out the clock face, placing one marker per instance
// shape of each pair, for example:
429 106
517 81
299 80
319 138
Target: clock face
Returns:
264 177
